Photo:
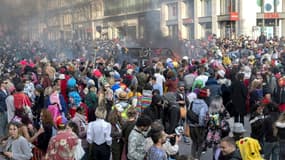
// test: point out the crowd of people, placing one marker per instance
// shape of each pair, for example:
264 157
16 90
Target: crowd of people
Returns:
100 110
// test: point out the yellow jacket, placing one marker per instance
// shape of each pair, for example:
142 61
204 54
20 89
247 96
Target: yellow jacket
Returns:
249 149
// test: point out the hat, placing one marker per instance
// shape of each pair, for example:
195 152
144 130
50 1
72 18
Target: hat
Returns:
238 128
181 84
60 121
117 76
221 73
123 95
203 93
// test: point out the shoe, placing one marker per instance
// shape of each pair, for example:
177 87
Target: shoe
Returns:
186 140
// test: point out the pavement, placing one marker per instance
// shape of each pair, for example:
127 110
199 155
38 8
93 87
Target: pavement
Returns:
184 149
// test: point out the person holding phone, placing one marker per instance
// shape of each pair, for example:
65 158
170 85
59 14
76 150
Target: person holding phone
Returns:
16 147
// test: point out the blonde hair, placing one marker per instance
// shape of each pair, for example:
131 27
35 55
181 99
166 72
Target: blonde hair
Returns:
255 84
48 91
101 112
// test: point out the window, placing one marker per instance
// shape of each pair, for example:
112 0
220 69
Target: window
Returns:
190 10
172 11
173 31
208 7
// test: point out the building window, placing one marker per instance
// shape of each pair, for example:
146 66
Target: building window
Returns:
207 7
172 11
190 10
173 31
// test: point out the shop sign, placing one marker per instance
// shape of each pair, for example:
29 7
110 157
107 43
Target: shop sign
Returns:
234 16
273 15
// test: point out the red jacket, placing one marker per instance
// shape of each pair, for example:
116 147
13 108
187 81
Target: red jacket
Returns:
21 99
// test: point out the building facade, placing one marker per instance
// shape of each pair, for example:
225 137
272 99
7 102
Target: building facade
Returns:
145 20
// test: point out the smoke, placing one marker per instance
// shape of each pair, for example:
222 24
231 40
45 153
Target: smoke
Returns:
14 12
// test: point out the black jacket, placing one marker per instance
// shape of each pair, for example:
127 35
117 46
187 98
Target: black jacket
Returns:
281 130
238 96
233 156
269 121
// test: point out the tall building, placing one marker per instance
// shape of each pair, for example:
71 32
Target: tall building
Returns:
146 20
188 19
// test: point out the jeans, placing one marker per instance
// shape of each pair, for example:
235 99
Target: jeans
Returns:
198 138
3 124
271 150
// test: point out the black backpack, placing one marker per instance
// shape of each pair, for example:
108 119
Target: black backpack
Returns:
192 117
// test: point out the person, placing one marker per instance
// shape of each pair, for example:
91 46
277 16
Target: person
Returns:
197 127
257 123
63 144
156 152
115 119
228 150
122 105
279 131
81 121
127 127
270 147
79 151
99 135
91 101
171 144
156 85
46 122
16 147
3 108
155 110
238 97
137 139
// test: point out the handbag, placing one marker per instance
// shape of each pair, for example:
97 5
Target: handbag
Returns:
27 109
192 117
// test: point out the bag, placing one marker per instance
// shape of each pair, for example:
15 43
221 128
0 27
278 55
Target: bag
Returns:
192 117
27 109
183 112
79 151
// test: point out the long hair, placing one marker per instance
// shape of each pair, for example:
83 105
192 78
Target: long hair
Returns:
46 117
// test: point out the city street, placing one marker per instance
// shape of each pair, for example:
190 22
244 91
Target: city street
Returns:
184 149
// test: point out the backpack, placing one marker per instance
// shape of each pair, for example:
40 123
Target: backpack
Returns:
192 117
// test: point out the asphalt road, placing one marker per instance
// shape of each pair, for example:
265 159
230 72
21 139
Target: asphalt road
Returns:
184 149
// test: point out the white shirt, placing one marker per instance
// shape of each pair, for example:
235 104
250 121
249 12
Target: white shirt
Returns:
99 132
160 79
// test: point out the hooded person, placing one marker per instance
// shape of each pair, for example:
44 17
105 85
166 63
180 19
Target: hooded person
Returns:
155 110
171 112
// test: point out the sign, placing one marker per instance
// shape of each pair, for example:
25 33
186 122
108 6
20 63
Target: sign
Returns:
273 15
234 16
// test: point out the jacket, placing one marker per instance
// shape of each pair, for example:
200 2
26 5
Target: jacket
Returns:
268 126
249 148
20 148
233 156
200 107
3 96
136 145
238 97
